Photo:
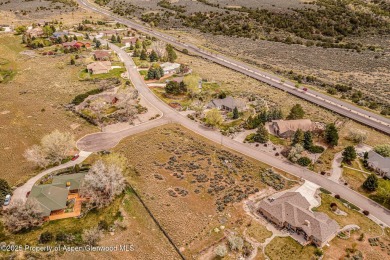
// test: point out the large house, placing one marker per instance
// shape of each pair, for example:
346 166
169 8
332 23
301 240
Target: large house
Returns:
170 68
379 163
52 198
35 32
99 67
129 41
75 44
227 104
291 211
287 128
102 55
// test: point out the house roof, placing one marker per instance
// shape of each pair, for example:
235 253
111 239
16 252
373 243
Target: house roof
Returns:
60 33
74 179
228 102
380 162
292 208
167 66
132 40
99 65
50 197
294 125
101 54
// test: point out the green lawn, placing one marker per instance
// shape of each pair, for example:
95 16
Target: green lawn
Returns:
276 140
354 217
114 73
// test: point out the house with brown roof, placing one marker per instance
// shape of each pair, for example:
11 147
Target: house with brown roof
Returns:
75 44
129 41
291 211
102 55
287 128
99 67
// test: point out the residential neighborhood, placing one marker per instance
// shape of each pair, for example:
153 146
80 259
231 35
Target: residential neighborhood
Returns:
194 130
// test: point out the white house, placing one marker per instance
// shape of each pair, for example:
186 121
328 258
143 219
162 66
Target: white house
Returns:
170 68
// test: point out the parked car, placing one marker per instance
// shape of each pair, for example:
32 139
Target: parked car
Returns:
7 200
75 157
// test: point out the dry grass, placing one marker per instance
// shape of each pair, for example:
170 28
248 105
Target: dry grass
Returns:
258 232
287 248
31 105
190 220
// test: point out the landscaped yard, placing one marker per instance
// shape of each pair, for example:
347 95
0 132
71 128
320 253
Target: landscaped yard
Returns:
114 73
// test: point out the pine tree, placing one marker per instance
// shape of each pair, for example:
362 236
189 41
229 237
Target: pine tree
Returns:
118 39
262 135
371 183
236 115
143 55
349 154
172 56
307 140
331 135
298 137
113 38
296 112
153 56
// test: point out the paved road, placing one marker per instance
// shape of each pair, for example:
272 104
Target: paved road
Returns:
346 109
169 115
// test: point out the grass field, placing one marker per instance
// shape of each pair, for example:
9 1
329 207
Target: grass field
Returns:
178 160
32 105
258 232
281 248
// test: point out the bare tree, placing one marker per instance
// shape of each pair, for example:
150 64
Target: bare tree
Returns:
57 145
357 135
20 216
160 48
221 250
36 155
92 236
54 147
102 184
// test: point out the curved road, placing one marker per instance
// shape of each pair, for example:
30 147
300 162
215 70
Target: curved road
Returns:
101 141
343 108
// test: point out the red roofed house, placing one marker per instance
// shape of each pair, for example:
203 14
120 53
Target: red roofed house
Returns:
76 44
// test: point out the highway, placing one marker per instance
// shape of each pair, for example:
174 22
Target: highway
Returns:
338 106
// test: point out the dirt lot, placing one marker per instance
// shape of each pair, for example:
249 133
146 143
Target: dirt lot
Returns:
190 185
31 104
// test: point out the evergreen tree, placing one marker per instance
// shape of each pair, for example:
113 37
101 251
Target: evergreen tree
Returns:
113 38
153 57
371 183
143 55
296 112
307 140
72 62
236 115
262 135
298 137
98 44
349 154
118 39
172 56
331 135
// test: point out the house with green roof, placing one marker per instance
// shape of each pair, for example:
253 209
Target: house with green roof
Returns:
53 197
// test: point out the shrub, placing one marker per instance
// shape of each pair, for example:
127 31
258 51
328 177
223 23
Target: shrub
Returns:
45 237
103 225
80 98
371 183
366 212
316 149
221 251
337 196
325 191
304 161
61 236
236 243
333 206
318 252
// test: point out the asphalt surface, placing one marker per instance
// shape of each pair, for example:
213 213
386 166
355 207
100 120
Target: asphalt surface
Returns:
102 141
338 106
